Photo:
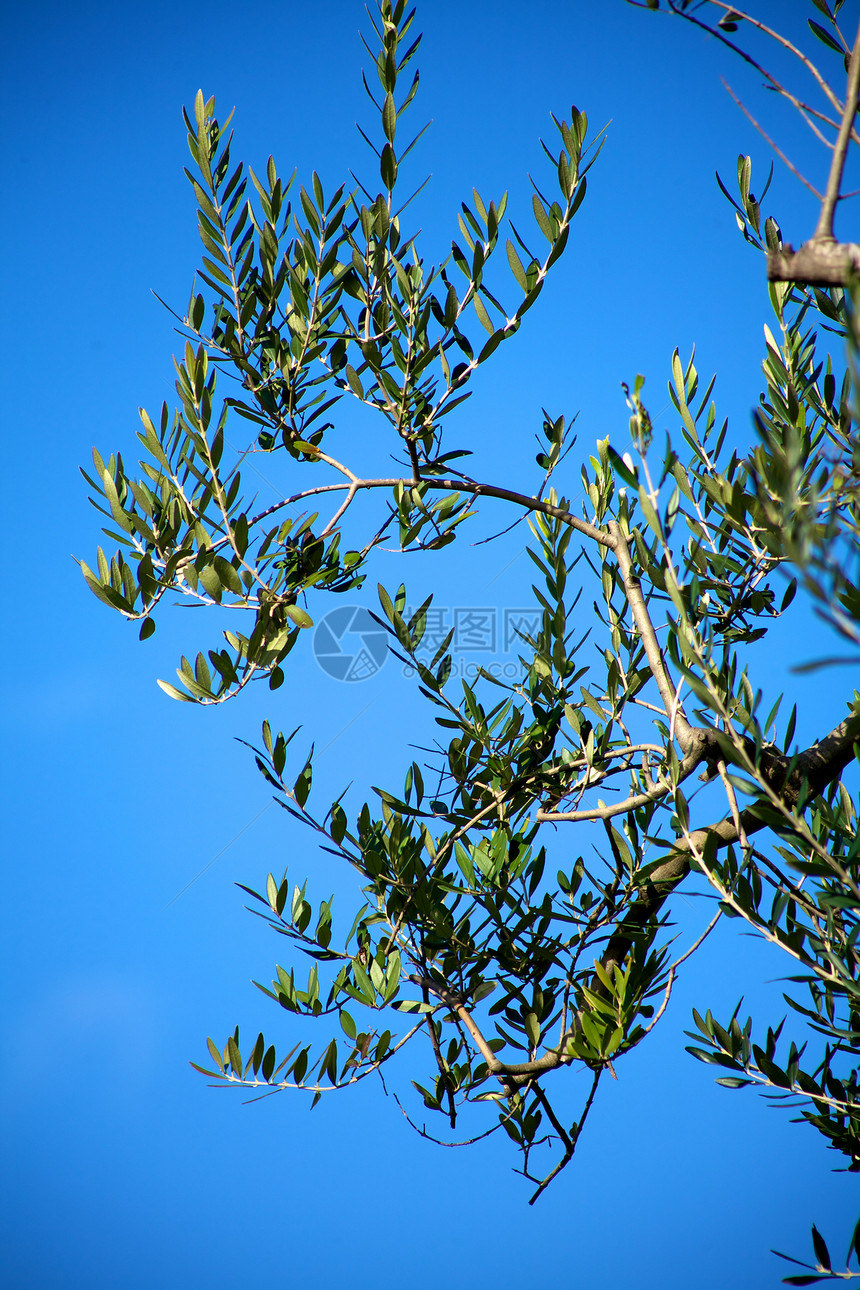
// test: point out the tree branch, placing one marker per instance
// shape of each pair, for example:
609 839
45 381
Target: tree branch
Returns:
824 227
693 759
822 261
464 485
653 653
816 767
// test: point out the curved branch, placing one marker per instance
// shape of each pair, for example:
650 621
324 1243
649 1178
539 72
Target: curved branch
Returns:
452 485
693 758
653 653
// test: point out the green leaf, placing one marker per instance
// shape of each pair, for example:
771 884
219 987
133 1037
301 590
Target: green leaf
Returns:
516 265
337 822
483 316
299 616
385 601
363 982
173 693
828 40
389 117
272 892
347 1024
621 468
216 1056
493 343
819 1244
651 517
388 167
543 220
300 1066
234 1055
354 382
211 582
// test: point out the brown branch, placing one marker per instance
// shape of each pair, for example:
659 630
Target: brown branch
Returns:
440 1061
824 227
453 485
815 768
822 261
653 653
440 1142
837 748
693 759
816 264
455 1003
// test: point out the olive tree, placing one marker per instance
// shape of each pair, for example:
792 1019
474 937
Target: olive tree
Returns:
496 973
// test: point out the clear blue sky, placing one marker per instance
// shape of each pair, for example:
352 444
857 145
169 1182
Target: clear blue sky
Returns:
122 1170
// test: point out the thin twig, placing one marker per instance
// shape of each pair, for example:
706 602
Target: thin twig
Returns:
569 1153
673 970
768 31
775 147
440 1142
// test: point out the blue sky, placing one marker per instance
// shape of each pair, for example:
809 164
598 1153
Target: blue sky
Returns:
122 1168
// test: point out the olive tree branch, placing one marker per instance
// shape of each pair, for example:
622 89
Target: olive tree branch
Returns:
824 227
599 535
748 58
823 261
816 767
662 789
653 653
569 1141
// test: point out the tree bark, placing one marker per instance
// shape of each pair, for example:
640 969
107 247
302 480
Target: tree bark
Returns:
820 262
